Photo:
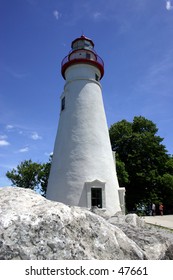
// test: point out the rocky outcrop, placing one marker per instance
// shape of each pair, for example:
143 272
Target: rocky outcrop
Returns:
32 227
155 242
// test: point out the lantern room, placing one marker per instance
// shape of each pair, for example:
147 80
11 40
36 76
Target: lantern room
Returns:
82 52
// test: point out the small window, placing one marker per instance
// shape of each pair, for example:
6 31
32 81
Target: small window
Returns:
75 45
63 103
80 44
96 197
96 77
88 55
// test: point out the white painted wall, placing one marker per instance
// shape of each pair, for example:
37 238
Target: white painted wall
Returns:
82 151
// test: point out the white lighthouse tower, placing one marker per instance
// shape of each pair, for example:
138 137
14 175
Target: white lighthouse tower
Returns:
83 168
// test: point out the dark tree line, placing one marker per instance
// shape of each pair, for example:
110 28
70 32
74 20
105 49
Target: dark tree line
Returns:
144 167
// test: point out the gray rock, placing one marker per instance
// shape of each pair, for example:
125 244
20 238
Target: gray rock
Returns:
168 255
154 241
131 219
134 220
32 227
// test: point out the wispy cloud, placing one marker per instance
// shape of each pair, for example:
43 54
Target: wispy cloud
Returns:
20 129
158 79
169 5
35 136
23 150
56 14
153 91
97 15
3 141
15 74
23 131
9 127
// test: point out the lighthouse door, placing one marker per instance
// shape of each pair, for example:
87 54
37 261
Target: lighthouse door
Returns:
96 197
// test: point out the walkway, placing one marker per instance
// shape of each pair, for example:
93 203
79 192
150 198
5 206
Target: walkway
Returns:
164 221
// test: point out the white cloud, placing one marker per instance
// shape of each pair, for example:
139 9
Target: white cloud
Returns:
35 136
23 150
9 126
56 14
4 143
169 6
97 15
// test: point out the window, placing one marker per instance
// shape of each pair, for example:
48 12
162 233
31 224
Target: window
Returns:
80 44
75 45
96 77
63 103
96 197
88 55
87 45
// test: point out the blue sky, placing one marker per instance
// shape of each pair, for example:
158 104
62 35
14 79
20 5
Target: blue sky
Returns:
133 37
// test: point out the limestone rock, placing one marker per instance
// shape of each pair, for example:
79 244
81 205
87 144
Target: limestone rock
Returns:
155 242
32 227
169 253
134 220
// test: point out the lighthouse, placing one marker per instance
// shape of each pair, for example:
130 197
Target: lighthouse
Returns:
83 169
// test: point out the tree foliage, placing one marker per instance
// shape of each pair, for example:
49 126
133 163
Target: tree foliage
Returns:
25 175
145 160
43 175
31 175
123 176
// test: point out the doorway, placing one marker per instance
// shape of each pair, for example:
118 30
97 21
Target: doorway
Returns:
96 197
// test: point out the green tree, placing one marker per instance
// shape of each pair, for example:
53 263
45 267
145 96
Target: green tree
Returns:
31 175
43 175
166 192
25 175
120 135
123 177
169 166
141 150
